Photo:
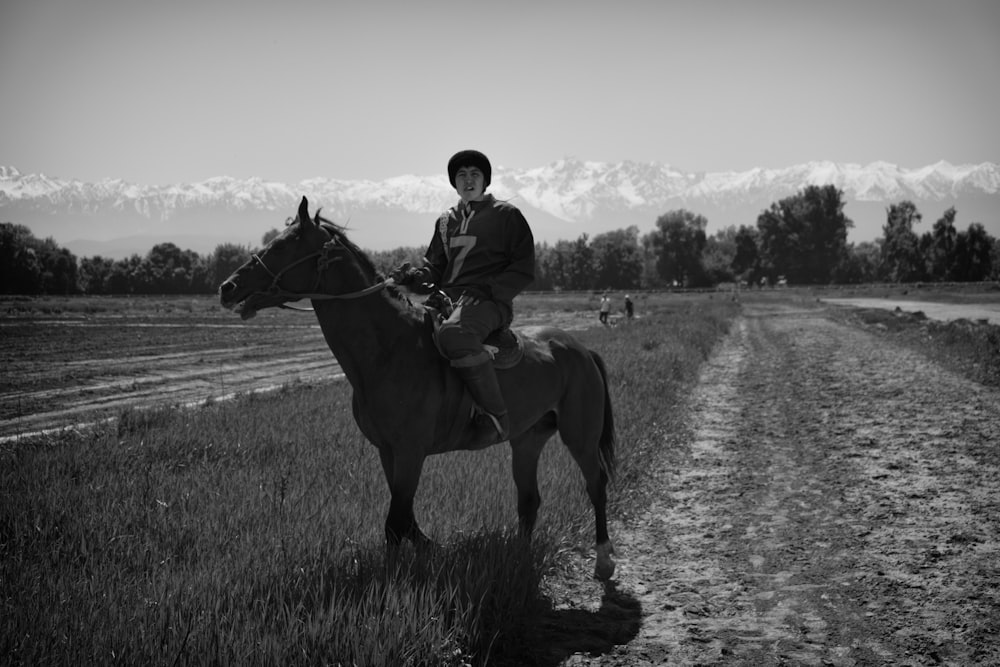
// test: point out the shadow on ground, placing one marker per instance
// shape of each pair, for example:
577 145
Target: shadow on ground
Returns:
561 633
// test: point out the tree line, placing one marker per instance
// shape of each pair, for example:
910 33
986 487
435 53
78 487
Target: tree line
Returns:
801 239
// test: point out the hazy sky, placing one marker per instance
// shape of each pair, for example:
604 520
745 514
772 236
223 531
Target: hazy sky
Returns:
160 92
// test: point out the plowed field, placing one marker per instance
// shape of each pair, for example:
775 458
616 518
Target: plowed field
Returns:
69 370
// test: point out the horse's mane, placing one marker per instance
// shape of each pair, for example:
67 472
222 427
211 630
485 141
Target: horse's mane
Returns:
340 233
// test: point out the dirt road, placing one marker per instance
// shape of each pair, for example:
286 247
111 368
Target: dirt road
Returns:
835 500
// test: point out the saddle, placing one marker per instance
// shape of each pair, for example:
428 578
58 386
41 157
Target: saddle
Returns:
504 345
505 348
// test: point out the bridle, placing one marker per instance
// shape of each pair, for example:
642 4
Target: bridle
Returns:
323 260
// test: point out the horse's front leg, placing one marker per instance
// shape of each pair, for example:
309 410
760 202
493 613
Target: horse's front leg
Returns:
403 477
525 451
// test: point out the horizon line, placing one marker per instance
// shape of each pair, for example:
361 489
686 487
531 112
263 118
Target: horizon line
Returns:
8 168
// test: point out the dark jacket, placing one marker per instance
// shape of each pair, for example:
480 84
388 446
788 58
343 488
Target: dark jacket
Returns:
486 246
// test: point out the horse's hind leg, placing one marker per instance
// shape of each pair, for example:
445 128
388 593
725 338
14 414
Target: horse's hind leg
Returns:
580 433
525 451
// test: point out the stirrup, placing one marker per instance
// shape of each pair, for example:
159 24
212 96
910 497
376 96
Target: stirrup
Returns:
496 424
487 428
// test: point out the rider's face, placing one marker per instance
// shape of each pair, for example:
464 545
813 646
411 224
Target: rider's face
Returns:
469 183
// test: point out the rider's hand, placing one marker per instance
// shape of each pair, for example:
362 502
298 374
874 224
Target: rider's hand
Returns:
473 295
404 274
398 274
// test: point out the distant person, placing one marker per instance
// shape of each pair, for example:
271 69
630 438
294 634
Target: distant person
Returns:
482 255
605 309
629 307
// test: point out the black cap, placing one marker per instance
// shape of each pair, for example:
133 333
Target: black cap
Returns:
470 158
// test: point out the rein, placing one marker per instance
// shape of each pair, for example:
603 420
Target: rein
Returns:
324 260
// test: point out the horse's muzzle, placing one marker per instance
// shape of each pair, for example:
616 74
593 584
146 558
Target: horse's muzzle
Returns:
232 300
226 291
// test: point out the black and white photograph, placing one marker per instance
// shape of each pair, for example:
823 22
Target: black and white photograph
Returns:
370 333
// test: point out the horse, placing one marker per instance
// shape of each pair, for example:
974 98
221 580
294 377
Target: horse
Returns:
407 401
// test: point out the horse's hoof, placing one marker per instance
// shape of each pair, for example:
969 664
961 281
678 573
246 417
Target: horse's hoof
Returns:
605 568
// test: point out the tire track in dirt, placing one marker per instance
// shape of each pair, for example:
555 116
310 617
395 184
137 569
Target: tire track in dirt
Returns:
174 387
72 372
837 502
177 376
89 389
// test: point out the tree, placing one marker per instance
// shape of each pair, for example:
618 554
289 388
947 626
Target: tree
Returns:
139 277
167 270
20 267
973 254
677 244
580 266
860 265
995 260
60 269
552 261
31 266
121 277
170 270
543 256
225 259
804 237
94 274
746 260
718 255
901 258
618 259
568 265
939 248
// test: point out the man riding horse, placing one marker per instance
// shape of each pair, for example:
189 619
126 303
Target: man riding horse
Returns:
482 255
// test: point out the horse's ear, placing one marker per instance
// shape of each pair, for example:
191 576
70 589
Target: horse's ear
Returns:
304 212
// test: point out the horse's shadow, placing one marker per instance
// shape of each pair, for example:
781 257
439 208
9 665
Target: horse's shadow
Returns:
561 633
538 634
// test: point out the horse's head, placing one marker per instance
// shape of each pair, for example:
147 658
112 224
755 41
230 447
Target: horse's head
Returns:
311 259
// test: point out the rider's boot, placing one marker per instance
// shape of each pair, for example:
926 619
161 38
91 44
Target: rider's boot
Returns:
490 423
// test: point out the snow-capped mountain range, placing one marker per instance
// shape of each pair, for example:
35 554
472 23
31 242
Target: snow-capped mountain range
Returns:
561 200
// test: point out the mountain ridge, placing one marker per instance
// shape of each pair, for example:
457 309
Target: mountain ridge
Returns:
563 199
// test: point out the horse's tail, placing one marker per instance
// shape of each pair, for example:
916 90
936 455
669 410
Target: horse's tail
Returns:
607 442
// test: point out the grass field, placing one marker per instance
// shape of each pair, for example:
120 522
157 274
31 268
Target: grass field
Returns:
250 531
